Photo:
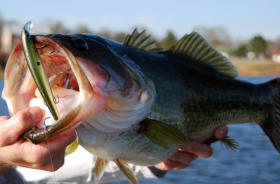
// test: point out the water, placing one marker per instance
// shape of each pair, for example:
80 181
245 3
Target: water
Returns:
257 162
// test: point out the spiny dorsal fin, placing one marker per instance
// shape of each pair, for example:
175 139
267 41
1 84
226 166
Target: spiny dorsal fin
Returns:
141 41
124 167
230 143
98 169
194 46
162 134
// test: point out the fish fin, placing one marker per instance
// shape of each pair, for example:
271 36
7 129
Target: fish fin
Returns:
124 167
230 143
271 125
162 134
141 41
72 147
98 169
195 47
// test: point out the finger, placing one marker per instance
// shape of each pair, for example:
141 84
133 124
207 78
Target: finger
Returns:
221 132
183 157
3 118
55 152
171 165
198 149
48 155
50 161
63 140
24 120
34 156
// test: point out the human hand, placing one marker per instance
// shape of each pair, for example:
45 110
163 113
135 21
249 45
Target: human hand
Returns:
16 151
185 155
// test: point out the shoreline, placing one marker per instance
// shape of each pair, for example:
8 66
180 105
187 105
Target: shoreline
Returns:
245 67
256 67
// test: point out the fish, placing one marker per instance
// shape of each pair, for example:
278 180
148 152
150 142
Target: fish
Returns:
133 102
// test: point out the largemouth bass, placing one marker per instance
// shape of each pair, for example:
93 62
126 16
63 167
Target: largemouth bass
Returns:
131 102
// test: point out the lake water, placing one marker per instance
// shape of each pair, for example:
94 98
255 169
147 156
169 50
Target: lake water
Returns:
257 162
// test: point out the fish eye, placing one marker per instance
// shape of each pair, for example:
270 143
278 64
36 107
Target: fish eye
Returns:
79 44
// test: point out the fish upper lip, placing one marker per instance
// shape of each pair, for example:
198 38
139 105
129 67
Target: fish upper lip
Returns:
36 68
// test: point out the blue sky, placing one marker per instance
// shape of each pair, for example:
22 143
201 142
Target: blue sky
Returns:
242 19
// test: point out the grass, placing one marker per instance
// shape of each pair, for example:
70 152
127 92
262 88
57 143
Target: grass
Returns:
256 67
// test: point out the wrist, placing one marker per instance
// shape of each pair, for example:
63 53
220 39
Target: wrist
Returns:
3 168
157 172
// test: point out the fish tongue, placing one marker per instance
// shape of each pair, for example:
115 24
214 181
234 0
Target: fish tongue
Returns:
64 99
48 119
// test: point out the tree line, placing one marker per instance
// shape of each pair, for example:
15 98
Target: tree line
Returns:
218 37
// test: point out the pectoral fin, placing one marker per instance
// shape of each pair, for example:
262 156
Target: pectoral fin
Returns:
162 134
124 167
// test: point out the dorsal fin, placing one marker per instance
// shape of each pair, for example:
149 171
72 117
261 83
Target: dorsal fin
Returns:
195 47
141 41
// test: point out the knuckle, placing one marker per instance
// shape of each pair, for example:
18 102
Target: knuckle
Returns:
42 158
209 153
21 120
24 116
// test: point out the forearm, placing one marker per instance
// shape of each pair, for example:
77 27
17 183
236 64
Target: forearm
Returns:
157 172
3 168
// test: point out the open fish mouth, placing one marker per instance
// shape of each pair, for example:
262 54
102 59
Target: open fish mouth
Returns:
52 75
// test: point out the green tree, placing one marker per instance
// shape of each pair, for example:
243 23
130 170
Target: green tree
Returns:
240 50
258 44
168 41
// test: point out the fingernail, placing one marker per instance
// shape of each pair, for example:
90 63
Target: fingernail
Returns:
222 131
36 113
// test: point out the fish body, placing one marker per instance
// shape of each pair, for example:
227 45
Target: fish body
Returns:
190 96
144 103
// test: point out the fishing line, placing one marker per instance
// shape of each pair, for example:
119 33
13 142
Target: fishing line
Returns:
56 101
54 179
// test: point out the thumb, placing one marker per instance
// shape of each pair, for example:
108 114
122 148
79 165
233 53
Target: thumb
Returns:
13 128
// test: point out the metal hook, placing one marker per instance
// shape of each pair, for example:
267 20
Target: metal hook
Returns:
46 120
66 80
56 100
